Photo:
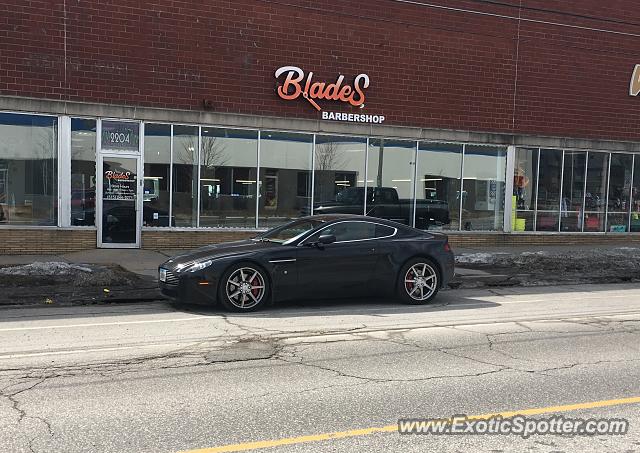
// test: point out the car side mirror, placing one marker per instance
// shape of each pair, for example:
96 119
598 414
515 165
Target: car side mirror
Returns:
326 239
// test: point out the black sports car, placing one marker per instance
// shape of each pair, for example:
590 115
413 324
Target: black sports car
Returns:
324 256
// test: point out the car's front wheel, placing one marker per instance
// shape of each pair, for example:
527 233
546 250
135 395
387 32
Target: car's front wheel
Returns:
244 287
418 281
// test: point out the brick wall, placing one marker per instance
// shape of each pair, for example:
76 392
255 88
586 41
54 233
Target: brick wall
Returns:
45 241
429 67
42 242
155 240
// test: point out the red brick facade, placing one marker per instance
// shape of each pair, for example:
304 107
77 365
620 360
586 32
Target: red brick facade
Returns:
429 67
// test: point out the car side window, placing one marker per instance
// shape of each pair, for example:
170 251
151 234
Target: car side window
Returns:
348 231
383 231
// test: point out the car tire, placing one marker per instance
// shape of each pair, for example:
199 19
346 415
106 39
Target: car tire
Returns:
244 287
418 281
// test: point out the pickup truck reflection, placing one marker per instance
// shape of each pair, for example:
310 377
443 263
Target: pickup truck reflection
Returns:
383 202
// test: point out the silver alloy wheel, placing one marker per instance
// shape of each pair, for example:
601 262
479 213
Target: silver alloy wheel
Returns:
245 287
421 281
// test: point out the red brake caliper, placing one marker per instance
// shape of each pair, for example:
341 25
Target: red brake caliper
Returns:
254 291
409 285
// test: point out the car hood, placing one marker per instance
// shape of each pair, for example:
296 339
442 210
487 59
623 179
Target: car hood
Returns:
218 251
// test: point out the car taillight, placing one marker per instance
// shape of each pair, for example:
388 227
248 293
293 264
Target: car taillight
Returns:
447 247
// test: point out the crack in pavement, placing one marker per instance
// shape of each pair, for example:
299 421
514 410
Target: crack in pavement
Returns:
22 413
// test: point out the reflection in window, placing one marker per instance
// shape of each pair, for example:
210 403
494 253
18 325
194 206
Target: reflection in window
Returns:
83 172
185 175
28 170
339 174
596 194
548 192
619 192
483 188
524 189
635 200
572 191
285 177
228 168
390 179
157 173
438 186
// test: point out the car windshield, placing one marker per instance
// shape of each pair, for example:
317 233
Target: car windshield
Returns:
287 233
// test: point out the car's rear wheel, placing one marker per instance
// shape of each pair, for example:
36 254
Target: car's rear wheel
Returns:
244 287
418 281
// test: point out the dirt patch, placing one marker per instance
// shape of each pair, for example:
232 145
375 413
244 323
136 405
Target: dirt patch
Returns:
64 284
540 268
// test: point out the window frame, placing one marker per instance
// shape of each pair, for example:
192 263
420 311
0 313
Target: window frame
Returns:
395 232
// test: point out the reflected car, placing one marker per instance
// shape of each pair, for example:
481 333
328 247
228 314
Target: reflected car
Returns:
315 257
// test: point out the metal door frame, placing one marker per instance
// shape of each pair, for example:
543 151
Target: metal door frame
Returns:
110 154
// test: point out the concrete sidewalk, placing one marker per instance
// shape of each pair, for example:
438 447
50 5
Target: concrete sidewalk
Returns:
138 261
471 262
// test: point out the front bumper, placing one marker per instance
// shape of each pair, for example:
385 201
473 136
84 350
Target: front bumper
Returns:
190 289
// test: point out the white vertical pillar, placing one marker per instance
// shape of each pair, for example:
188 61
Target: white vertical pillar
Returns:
64 171
171 221
366 175
313 172
258 179
197 178
508 189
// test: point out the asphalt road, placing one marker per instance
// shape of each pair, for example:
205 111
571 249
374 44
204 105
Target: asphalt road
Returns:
155 378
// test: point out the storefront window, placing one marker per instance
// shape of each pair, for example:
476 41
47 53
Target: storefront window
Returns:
83 172
619 192
572 191
438 186
157 175
635 206
483 189
339 175
548 190
524 189
285 177
28 170
228 168
185 176
390 182
595 199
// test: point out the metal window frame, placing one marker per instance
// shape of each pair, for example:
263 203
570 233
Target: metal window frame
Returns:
606 201
633 169
507 226
197 178
584 189
561 193
535 202
64 171
415 185
313 173
464 154
258 181
366 177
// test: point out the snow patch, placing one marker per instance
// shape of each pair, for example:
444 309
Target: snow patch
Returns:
478 258
45 268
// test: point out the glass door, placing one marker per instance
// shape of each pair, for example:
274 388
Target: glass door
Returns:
119 224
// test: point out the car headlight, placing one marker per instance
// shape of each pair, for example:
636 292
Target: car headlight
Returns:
197 266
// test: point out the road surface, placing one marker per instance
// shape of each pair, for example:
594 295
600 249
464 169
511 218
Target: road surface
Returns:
156 378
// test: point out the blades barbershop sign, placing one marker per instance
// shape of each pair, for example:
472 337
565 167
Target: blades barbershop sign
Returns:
296 84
